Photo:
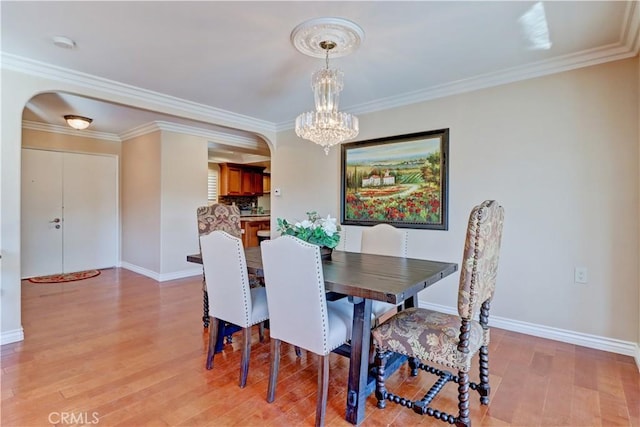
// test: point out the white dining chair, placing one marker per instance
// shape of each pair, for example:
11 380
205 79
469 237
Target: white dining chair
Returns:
231 298
300 313
383 239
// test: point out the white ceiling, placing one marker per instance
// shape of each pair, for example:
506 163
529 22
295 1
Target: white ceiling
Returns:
236 57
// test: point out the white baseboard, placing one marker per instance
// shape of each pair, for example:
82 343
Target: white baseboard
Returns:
162 277
181 274
15 335
612 345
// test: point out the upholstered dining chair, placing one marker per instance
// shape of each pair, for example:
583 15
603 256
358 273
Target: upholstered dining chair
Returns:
300 313
447 339
383 239
210 218
232 300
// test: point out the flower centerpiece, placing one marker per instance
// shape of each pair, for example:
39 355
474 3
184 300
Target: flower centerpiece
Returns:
315 229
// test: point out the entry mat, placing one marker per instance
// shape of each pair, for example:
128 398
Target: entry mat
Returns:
66 277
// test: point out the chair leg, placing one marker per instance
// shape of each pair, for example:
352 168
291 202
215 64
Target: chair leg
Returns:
323 389
246 354
414 362
381 390
261 331
273 371
483 388
205 308
463 400
213 337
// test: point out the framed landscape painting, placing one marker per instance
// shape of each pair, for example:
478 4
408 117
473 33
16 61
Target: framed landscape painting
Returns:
400 180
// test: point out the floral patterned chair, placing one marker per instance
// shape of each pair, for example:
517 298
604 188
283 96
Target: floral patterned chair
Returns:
447 339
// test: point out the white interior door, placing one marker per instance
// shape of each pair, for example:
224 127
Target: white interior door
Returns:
81 191
90 212
41 207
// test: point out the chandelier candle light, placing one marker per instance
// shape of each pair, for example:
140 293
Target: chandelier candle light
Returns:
326 126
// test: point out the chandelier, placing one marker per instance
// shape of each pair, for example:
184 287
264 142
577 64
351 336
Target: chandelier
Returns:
326 126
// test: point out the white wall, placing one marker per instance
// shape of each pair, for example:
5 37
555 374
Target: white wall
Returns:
184 189
15 95
141 202
560 153
164 182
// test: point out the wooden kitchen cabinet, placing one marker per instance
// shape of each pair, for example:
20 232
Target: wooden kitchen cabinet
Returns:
266 183
256 179
240 180
230 180
247 183
251 228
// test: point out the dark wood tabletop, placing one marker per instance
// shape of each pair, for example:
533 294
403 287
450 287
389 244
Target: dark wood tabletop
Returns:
375 277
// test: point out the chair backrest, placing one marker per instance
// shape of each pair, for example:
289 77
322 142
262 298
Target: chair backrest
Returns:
384 239
225 269
219 217
295 293
480 259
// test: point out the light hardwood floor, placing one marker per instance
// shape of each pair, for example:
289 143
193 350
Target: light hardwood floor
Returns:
123 350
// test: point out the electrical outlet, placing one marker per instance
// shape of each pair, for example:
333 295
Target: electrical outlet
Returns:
580 275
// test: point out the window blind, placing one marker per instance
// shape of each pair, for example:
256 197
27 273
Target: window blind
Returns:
212 186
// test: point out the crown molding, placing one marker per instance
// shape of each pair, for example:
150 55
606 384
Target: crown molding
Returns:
511 75
66 130
40 69
630 34
219 137
628 47
214 136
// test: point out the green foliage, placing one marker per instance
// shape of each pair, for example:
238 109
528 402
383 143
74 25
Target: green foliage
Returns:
431 169
315 229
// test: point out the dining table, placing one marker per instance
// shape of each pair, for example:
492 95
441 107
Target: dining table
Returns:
364 278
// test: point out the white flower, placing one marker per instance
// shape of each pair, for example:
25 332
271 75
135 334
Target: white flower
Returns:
305 224
329 225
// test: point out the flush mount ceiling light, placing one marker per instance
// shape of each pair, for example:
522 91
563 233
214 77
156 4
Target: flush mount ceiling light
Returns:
78 122
326 126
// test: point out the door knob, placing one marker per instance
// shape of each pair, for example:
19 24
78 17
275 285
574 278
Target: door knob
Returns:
56 220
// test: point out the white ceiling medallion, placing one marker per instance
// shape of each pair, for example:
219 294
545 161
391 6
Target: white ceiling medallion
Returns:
321 37
346 35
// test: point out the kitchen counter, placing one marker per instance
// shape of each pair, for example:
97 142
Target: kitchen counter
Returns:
255 217
251 224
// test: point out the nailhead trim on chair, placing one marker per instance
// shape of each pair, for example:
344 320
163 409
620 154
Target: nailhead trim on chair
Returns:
321 289
245 297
